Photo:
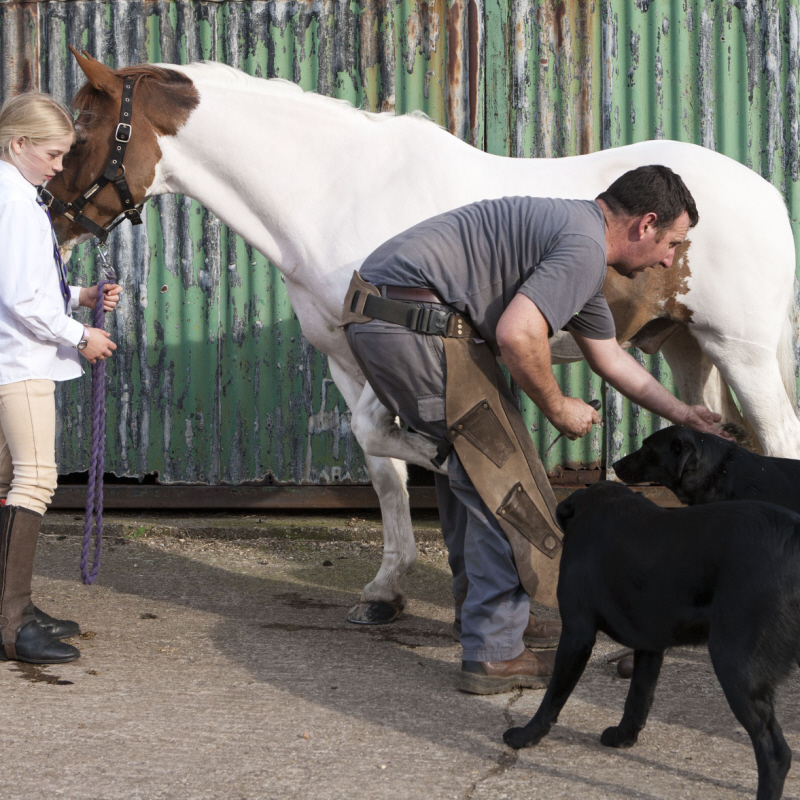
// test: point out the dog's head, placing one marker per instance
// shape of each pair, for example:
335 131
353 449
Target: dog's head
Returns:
589 499
676 457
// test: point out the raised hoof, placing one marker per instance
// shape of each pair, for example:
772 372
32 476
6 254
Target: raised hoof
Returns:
519 738
374 612
612 737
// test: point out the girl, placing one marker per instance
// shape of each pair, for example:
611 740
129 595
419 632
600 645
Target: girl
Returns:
40 343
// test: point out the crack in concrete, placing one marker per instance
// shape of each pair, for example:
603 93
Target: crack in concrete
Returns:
396 637
506 760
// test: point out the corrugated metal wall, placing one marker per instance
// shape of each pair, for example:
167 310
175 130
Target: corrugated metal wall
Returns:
214 381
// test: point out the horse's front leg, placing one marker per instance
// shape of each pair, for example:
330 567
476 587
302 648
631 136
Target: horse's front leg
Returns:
382 599
759 380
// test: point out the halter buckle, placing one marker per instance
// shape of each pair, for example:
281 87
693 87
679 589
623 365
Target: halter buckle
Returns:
123 132
133 215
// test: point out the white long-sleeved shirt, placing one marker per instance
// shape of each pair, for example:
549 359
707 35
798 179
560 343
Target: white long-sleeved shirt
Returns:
37 337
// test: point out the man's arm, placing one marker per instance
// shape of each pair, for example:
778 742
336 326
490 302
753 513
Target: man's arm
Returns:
630 378
522 336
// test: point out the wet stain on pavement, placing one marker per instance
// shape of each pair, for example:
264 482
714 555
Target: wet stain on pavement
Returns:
35 673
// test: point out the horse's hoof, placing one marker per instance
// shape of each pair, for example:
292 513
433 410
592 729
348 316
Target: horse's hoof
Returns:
374 612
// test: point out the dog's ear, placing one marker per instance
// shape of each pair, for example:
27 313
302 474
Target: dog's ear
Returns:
566 509
686 453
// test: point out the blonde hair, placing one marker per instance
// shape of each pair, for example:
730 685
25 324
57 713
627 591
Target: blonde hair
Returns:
36 116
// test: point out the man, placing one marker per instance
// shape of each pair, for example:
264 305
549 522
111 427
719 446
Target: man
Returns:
511 273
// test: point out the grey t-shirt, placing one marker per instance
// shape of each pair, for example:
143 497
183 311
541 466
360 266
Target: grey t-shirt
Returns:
479 256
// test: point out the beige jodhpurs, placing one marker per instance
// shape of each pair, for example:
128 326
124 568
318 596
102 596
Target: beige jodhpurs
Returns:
28 473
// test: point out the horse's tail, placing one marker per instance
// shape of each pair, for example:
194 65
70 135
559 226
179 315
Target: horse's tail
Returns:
789 346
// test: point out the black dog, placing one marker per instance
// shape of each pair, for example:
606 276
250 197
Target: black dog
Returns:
703 468
653 578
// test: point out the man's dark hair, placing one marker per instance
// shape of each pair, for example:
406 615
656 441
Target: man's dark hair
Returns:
655 189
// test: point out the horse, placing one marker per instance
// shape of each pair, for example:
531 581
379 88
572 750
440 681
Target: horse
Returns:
316 184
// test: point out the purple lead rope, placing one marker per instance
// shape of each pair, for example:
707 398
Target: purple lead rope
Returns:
94 491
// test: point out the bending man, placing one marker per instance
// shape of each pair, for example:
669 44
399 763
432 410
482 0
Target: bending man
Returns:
428 314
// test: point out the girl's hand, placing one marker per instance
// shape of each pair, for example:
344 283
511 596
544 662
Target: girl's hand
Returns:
99 347
111 293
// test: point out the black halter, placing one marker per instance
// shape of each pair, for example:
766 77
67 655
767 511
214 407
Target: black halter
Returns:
114 173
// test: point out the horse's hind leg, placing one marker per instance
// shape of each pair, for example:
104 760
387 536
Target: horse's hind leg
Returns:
572 656
646 669
750 695
382 599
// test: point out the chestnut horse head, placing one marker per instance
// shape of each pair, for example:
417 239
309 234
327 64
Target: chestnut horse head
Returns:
162 101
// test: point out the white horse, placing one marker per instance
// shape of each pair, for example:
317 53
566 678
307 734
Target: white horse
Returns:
315 185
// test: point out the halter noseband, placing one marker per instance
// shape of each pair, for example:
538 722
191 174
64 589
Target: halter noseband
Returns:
114 173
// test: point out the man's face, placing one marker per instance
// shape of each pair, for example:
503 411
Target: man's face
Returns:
649 246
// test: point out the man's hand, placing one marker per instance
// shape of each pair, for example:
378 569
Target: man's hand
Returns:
99 347
630 378
574 418
111 293
704 420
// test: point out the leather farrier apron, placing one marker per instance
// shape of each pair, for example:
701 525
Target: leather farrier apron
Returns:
488 433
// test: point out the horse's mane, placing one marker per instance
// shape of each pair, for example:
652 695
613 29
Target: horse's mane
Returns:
87 94
213 73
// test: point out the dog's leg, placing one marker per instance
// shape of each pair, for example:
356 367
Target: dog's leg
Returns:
646 669
571 658
752 705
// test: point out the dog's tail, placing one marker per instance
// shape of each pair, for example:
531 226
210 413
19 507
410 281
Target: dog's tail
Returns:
789 348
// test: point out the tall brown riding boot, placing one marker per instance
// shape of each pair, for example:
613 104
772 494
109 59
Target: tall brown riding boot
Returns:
23 638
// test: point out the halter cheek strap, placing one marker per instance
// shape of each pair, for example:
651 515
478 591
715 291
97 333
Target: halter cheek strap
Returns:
114 173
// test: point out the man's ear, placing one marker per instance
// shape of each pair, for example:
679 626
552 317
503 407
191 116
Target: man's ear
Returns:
102 78
648 225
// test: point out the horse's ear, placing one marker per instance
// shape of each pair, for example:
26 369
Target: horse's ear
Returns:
103 78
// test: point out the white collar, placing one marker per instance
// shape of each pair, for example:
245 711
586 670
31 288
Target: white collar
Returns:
11 173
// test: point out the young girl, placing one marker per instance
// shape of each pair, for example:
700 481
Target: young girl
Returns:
40 343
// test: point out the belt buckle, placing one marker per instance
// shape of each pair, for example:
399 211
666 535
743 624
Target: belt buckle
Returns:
438 322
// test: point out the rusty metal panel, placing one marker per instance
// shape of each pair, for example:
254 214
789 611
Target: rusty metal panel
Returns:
565 78
723 75
214 382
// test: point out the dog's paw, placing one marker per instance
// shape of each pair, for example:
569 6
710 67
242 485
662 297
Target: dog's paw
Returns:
520 737
615 737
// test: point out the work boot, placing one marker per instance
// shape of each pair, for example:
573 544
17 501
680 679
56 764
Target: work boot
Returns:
57 628
540 633
528 670
23 639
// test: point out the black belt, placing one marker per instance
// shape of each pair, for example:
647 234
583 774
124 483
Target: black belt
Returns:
423 320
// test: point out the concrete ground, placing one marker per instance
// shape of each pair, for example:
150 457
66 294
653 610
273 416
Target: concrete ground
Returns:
223 667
